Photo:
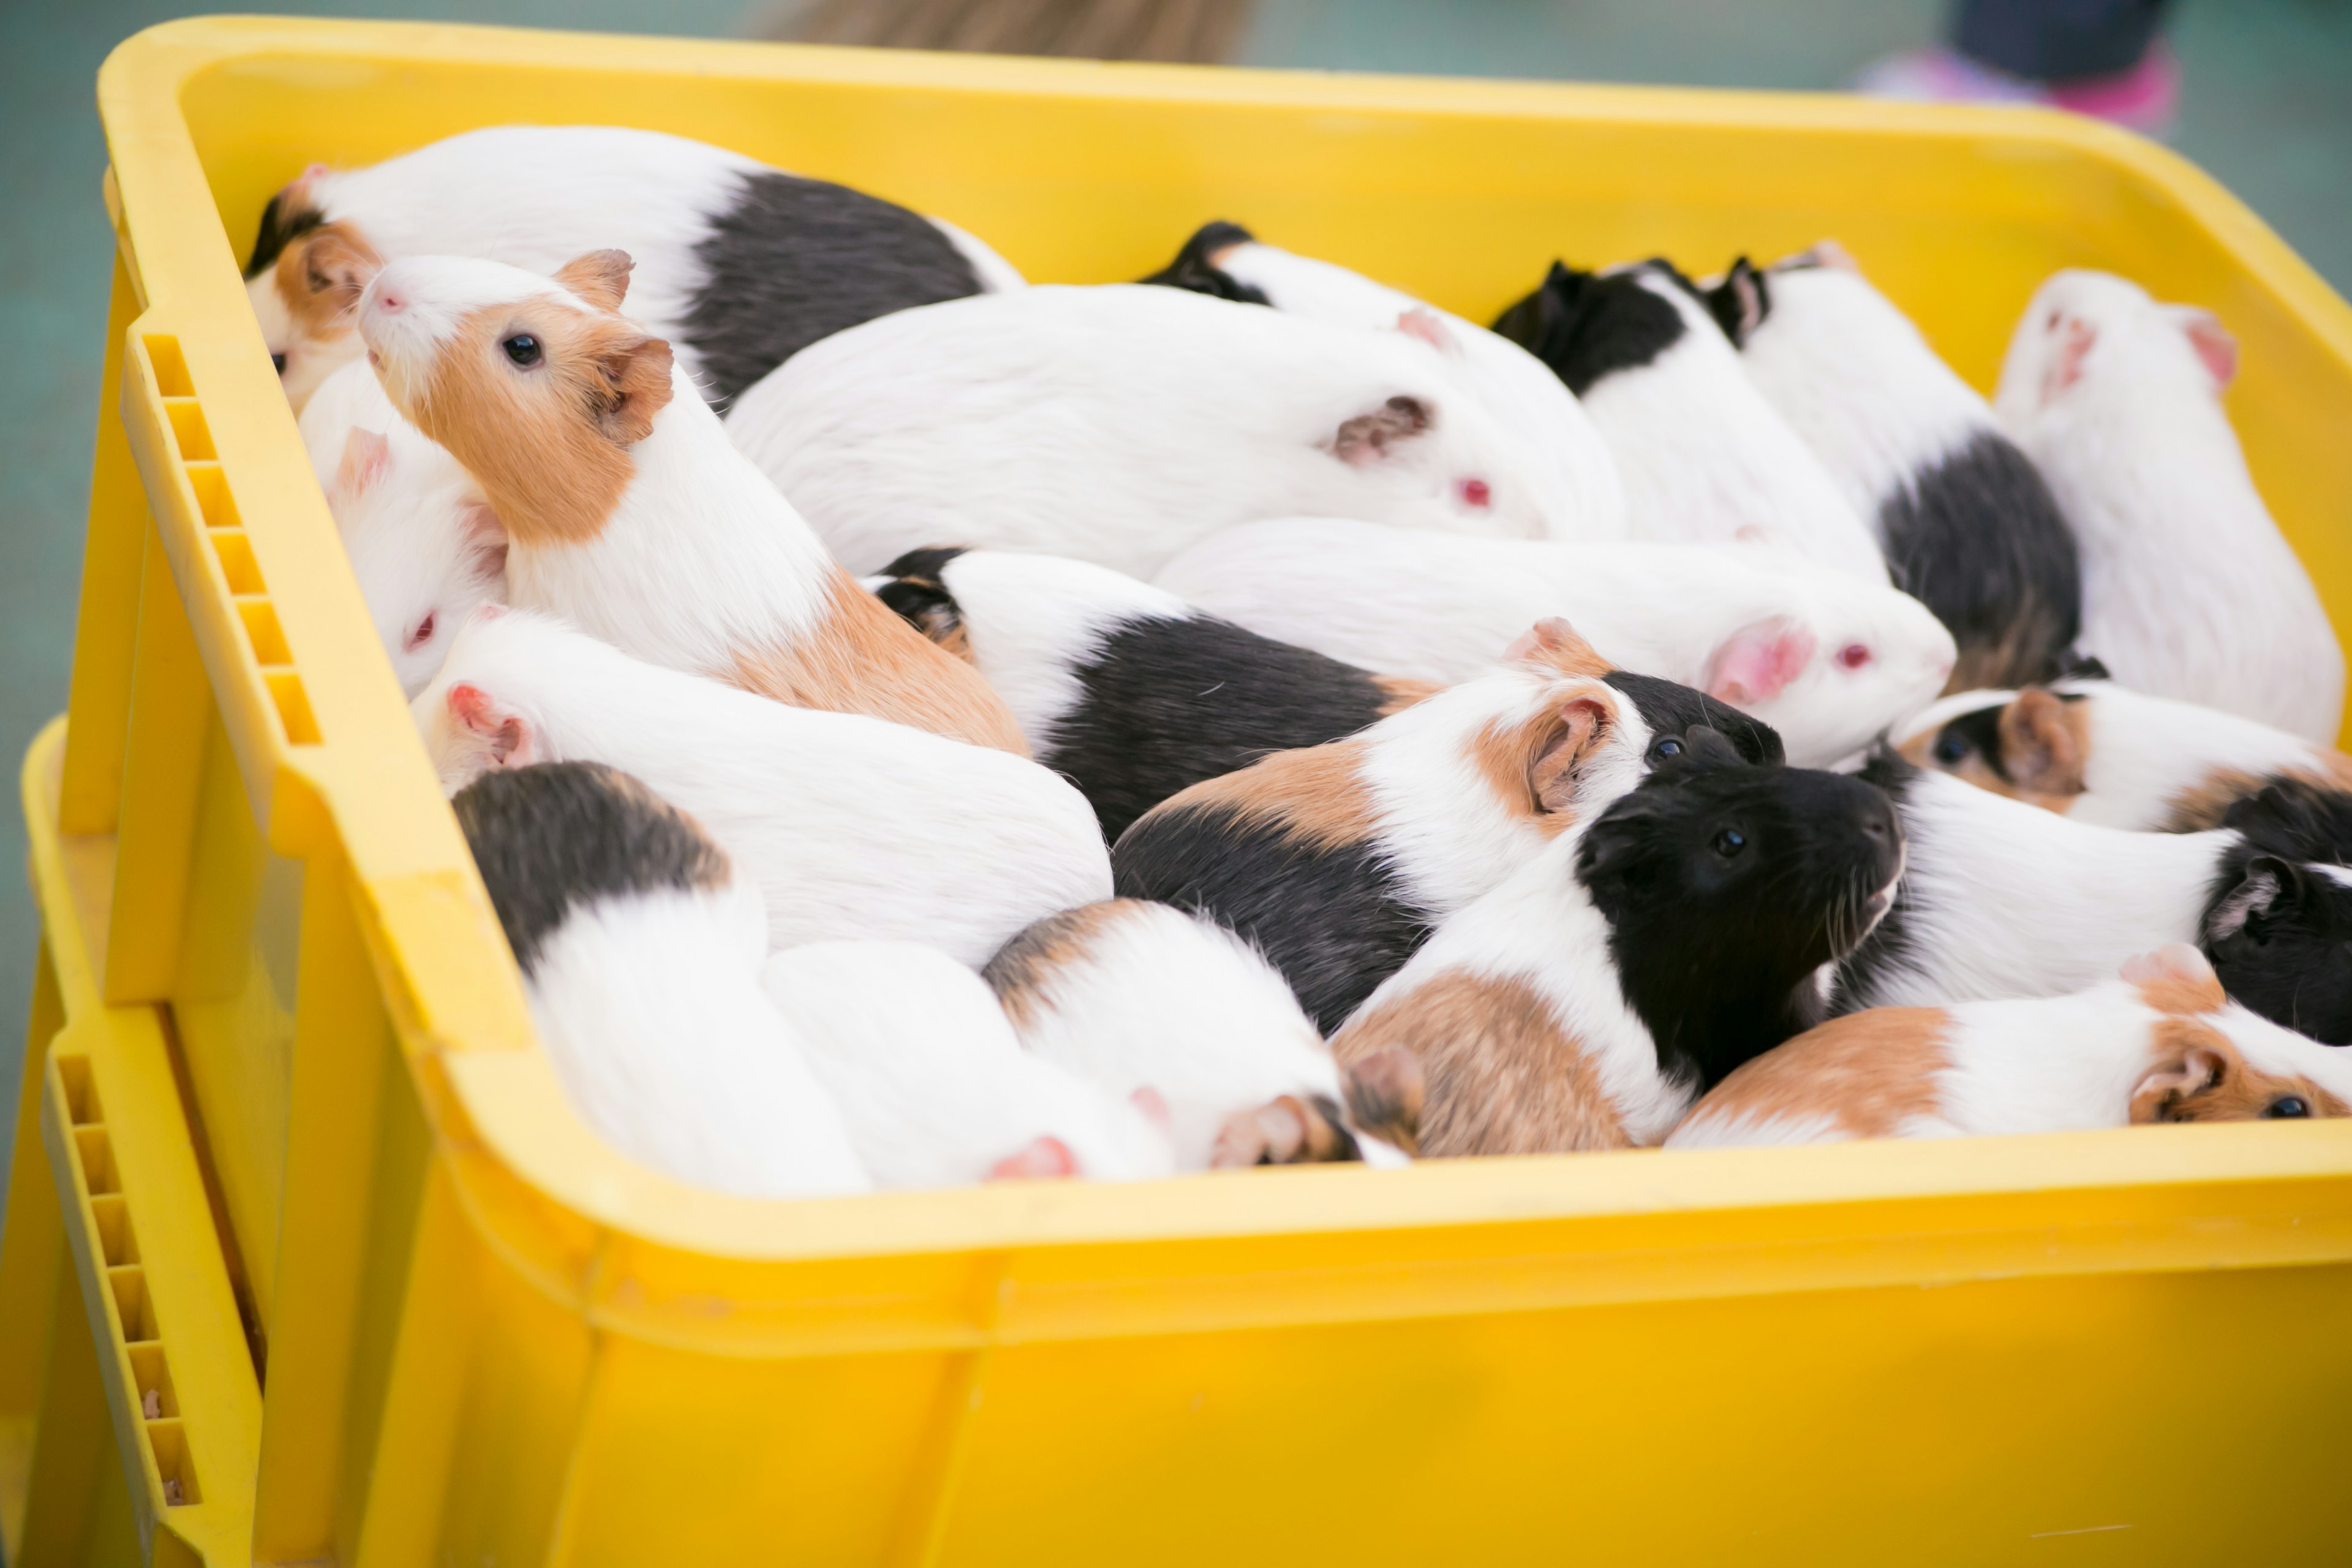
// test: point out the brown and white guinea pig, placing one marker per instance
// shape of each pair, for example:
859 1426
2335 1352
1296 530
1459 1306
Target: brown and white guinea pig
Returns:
1123 689
2098 751
627 511
854 828
1964 516
1621 973
1827 658
2161 1044
1337 860
1703 457
1141 999
1225 260
931 1082
640 946
2188 589
740 265
1118 423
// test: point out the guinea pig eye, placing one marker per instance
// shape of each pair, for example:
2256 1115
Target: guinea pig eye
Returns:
1667 746
523 349
278 363
422 633
2051 325
1731 842
1476 492
1854 655
1950 749
2287 1107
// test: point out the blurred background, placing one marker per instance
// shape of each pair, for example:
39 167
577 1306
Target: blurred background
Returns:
2257 91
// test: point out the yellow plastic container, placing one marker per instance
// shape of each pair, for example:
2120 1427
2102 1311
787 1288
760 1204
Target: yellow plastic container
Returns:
307 1260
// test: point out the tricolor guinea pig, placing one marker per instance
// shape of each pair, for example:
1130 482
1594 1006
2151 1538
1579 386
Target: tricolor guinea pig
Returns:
1703 457
2098 751
742 265
2162 1044
1141 999
1585 1001
1337 860
1118 423
854 828
1827 658
1584 497
424 544
1123 689
2188 589
1963 515
627 511
934 1087
640 948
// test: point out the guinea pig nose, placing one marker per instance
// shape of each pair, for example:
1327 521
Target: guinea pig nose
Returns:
386 300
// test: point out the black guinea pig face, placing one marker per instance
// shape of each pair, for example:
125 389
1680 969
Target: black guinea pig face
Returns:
2280 937
1674 713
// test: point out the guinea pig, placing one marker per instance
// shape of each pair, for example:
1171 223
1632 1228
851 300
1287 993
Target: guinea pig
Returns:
2162 1044
1827 658
1585 498
2279 913
640 944
424 544
1964 518
627 510
1588 999
2098 751
934 1090
1125 689
743 265
1118 423
854 828
1703 457
1337 860
1139 998
2188 589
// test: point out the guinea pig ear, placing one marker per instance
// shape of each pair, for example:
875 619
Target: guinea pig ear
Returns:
512 741
2187 1078
2266 884
1385 1092
1042 1159
635 368
484 538
925 604
2211 338
1830 254
366 453
337 266
1551 644
1739 303
600 277
2175 978
1551 773
1756 663
2076 338
1369 439
2042 743
1423 323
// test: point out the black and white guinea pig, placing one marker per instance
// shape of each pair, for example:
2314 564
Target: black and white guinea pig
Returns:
2096 752
2278 923
1965 519
739 265
1337 860
1123 689
1624 970
1703 457
640 945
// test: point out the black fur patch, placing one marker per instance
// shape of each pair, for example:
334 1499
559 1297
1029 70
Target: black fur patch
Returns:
554 836
794 260
1978 732
919 594
1193 271
2275 927
1672 709
1726 886
1328 920
1168 703
1587 325
1891 946
280 229
1978 540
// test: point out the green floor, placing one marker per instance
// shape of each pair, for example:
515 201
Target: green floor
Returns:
2267 109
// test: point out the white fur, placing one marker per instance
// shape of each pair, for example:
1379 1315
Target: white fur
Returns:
854 827
1163 1001
1520 391
421 540
1705 459
933 1086
651 1009
1539 927
1116 423
1435 607
2188 589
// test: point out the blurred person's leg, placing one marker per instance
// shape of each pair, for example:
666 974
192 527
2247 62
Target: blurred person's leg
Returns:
2102 57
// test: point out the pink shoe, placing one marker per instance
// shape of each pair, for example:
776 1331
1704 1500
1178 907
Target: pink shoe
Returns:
2144 99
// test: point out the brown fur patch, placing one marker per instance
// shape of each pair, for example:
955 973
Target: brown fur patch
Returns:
1023 966
1553 644
321 275
2198 1075
2175 994
862 658
1533 765
1316 794
2204 804
1386 1092
1869 1072
1501 1076
1403 692
1289 1130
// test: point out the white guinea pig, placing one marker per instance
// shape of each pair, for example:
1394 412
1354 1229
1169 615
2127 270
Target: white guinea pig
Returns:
1825 657
1119 424
425 546
2188 589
